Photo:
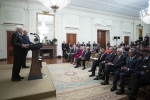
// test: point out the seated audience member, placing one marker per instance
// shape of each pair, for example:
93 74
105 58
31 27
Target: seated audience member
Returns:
77 55
95 49
72 53
109 58
68 53
82 44
107 50
74 45
76 51
68 47
125 53
97 61
86 57
125 71
127 48
112 66
140 78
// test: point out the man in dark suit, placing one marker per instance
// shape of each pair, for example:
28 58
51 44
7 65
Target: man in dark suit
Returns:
125 71
26 41
86 57
97 61
64 48
78 45
18 52
88 44
112 66
94 44
140 78
82 44
109 58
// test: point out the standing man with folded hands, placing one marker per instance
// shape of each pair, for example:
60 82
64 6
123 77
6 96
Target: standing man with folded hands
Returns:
18 52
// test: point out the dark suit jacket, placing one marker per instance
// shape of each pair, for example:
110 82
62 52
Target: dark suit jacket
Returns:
26 40
82 44
83 52
119 62
64 45
133 64
145 62
94 44
78 45
17 42
110 57
87 55
103 57
88 45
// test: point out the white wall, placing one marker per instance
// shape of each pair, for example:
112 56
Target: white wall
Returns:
82 22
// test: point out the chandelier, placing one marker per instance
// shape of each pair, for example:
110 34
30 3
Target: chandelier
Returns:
43 29
145 14
55 4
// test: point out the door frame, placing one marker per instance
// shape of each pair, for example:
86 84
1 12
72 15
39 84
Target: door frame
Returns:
71 33
108 30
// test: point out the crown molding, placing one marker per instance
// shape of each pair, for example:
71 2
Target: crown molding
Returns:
98 12
25 1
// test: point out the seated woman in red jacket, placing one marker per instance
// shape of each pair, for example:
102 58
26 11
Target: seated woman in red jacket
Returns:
77 55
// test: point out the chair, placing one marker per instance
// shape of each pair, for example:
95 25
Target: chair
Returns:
145 89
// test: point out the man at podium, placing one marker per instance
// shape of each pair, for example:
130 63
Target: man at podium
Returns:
26 41
18 52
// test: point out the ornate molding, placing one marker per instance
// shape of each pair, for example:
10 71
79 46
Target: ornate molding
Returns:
26 1
98 12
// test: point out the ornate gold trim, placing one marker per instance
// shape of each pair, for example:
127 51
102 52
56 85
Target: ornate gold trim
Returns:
45 13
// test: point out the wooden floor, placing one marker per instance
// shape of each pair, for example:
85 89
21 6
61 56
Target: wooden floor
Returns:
47 60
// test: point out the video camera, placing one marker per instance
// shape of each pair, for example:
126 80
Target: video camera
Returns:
144 42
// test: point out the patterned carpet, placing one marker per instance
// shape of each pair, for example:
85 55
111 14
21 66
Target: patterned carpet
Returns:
75 84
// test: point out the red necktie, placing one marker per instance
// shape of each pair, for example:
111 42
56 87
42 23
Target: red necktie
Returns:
85 53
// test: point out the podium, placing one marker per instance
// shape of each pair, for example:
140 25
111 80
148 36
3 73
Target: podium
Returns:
35 70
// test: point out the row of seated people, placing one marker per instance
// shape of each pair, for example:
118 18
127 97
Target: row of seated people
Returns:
78 54
67 47
123 66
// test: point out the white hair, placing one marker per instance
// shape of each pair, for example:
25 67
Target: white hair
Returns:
120 49
18 27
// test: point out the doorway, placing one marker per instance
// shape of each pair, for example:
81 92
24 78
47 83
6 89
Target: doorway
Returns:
71 38
126 40
101 38
10 57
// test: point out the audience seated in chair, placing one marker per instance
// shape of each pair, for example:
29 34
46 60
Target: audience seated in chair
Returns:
140 78
77 55
86 57
112 66
96 61
108 58
125 71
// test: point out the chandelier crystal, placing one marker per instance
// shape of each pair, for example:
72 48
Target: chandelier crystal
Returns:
55 4
145 14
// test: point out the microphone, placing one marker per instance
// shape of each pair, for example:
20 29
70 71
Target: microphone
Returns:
33 33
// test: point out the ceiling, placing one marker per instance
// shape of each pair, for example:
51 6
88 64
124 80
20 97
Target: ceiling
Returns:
123 7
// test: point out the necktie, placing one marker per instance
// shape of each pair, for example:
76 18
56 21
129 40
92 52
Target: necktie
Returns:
85 53
101 56
116 59
130 58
